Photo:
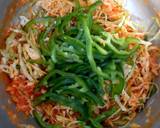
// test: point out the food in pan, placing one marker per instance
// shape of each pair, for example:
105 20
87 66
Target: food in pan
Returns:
79 64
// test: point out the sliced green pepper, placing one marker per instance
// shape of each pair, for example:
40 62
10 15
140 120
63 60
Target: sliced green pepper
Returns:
87 95
42 123
73 41
73 103
105 115
79 80
52 47
41 20
89 51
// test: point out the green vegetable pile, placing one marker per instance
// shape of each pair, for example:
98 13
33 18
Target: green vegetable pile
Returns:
80 56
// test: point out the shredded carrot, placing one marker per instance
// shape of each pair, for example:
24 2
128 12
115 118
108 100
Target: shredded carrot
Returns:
21 92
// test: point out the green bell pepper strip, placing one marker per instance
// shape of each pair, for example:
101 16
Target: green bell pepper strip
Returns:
127 40
50 24
59 85
132 40
83 124
73 103
79 80
94 85
89 14
74 67
41 99
120 42
120 52
73 41
41 20
94 6
100 49
72 31
77 5
70 50
100 118
66 20
79 34
63 100
52 48
43 47
105 115
96 29
96 124
89 50
124 42
78 68
116 77
68 57
90 10
42 123
44 80
87 95
39 61
116 89
113 48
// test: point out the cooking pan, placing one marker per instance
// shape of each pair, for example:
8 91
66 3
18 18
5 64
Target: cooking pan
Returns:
143 13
